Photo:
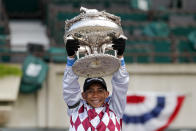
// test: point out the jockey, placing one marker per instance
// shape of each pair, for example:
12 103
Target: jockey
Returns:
91 110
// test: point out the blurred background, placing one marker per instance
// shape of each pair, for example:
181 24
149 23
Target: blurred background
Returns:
160 57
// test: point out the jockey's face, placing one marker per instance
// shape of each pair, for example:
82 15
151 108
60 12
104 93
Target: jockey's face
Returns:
95 96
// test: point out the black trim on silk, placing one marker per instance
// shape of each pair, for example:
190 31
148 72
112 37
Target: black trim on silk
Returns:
74 106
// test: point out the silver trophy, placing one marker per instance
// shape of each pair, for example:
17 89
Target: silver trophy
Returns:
94 30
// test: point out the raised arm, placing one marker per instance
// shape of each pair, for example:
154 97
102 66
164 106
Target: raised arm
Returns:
120 82
120 79
71 88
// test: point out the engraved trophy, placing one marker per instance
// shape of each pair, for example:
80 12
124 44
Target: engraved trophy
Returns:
94 30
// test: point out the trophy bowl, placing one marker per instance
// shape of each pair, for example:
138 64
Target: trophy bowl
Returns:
95 31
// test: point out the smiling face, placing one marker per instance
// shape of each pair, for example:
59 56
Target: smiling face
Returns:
95 95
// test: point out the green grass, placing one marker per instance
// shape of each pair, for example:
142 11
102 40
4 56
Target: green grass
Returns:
7 70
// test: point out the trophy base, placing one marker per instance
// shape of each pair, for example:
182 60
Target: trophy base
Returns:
96 65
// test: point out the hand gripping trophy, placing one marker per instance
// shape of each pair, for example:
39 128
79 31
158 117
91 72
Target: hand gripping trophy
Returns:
94 30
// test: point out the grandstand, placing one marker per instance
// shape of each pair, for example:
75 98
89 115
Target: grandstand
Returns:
4 33
166 44
161 34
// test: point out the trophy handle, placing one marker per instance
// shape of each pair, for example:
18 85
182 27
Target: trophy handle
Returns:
115 53
83 49
108 47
